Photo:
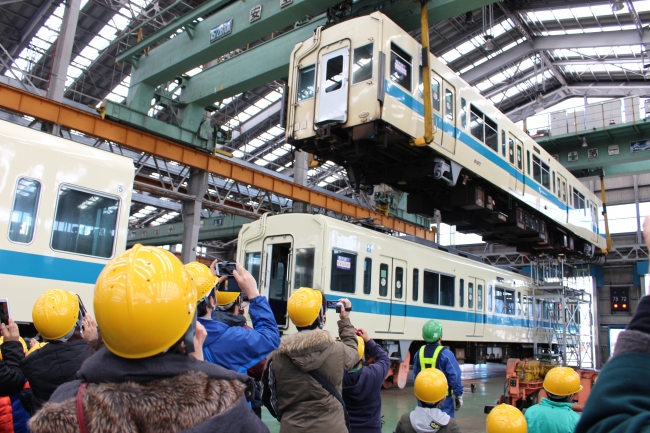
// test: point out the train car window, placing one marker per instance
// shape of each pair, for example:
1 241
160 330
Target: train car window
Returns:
362 66
23 212
541 172
84 223
491 134
344 272
503 142
447 292
479 296
431 288
463 112
383 279
559 191
449 104
484 128
435 88
579 201
367 275
553 176
253 264
519 157
416 283
489 297
400 67
470 296
476 123
304 268
504 301
511 145
528 161
334 74
399 282
525 306
594 217
306 79
461 293
518 303
564 191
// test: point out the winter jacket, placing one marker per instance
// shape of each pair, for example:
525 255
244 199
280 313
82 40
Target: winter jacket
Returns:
52 365
551 417
362 391
619 401
303 405
164 393
12 377
6 416
427 420
449 366
20 415
237 348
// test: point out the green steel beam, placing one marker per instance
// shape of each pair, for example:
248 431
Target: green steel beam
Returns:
611 149
224 227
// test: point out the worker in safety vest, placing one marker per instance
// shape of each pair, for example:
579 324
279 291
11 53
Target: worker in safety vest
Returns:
435 355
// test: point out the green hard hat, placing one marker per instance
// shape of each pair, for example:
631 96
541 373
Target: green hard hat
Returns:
432 331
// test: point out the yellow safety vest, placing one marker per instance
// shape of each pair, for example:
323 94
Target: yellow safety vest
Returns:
431 362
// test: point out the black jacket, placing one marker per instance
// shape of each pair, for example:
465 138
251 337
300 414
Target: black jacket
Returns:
12 378
51 366
167 392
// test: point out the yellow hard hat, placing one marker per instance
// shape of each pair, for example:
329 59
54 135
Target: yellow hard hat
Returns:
562 381
55 314
38 345
304 306
21 342
361 346
430 385
203 278
226 298
506 419
144 302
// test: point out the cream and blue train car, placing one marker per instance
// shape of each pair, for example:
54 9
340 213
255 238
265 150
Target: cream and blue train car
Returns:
64 210
355 97
395 284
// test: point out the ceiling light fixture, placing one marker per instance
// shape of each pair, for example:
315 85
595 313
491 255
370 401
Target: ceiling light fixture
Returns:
618 5
488 28
584 142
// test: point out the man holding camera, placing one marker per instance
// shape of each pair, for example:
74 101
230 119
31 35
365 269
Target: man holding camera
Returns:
230 345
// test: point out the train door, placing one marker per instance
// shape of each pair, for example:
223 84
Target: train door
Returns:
383 307
398 298
516 160
332 90
475 304
561 194
449 105
276 276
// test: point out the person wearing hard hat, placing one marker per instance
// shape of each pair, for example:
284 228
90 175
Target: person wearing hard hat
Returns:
555 414
505 418
59 317
430 388
362 386
148 377
302 378
434 355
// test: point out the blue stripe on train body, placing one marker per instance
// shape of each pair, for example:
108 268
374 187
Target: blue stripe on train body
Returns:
401 96
48 267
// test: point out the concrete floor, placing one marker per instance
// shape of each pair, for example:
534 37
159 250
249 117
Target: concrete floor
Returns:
471 419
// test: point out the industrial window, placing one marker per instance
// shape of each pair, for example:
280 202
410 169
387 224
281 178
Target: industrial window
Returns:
23 213
362 66
503 142
463 112
306 78
504 301
416 283
344 272
470 296
489 298
511 145
479 296
484 128
518 303
399 282
461 293
435 90
383 279
367 275
449 104
334 74
438 289
541 172
400 67
304 268
579 201
85 223
252 263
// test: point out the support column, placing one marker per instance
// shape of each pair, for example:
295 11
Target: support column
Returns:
639 238
197 186
300 177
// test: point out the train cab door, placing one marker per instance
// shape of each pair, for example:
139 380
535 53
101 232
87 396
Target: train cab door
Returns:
516 160
276 276
449 113
398 297
476 304
332 91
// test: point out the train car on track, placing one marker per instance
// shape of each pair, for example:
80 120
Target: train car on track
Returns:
64 212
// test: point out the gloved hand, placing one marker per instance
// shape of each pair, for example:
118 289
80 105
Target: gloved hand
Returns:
459 402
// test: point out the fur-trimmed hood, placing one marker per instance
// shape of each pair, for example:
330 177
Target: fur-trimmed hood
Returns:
307 349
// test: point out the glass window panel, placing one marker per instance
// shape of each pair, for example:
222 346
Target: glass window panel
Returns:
491 135
461 292
518 303
503 143
85 223
362 67
470 296
519 157
253 263
367 275
430 289
449 104
479 296
447 290
383 279
399 282
344 271
334 74
23 213
304 268
416 283
511 145
435 88
306 78
463 112
400 67
489 297
476 123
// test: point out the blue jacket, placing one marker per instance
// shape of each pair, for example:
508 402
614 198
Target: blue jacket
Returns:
361 391
237 348
449 366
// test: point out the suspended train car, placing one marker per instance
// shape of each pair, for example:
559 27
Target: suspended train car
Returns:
64 212
395 284
355 97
